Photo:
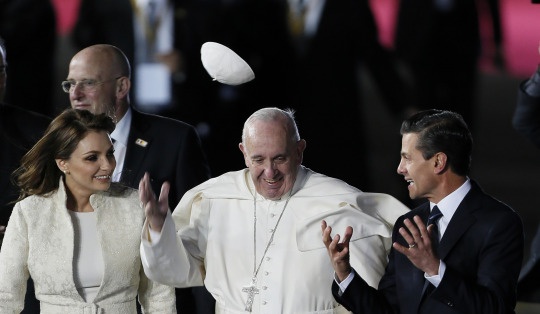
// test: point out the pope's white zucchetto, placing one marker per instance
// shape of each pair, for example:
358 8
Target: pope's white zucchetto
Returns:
224 65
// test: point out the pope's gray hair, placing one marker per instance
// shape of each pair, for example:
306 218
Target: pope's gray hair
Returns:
273 114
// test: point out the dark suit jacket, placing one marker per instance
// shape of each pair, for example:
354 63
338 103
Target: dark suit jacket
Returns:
170 150
19 131
483 250
526 120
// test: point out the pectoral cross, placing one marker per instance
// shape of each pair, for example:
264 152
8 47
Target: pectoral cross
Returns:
251 291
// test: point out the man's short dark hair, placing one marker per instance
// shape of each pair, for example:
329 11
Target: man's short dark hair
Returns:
442 131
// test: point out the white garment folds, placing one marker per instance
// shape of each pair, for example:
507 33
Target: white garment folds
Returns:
214 242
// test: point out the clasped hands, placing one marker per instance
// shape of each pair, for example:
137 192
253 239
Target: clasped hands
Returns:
419 251
154 209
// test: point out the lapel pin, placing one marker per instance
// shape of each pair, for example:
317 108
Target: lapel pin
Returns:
140 142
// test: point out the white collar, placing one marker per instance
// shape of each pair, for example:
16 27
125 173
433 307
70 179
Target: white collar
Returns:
121 131
450 203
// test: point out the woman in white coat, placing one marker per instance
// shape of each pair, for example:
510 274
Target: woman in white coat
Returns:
73 231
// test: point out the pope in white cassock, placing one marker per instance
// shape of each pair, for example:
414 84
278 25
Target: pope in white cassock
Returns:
253 236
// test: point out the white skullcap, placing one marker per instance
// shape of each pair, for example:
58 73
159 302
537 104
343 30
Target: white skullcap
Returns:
224 65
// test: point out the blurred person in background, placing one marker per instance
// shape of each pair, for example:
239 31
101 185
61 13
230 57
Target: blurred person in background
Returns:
439 44
526 120
29 30
19 130
150 33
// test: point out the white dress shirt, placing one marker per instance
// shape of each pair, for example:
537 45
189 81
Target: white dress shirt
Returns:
120 136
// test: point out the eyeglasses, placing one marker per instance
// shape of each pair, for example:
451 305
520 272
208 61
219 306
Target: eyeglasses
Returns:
84 85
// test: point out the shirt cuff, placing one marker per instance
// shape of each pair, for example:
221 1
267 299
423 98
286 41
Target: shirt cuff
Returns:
345 283
436 280
151 236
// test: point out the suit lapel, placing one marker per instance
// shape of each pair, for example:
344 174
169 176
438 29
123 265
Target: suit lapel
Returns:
138 145
461 221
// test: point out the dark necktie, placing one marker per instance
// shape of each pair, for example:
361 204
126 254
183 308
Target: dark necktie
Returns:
434 216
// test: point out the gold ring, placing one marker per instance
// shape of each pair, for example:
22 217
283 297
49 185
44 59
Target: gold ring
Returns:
412 245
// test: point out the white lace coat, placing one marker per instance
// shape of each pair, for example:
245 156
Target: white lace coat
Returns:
39 242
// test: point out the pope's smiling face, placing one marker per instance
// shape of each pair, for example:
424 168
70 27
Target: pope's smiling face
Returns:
272 156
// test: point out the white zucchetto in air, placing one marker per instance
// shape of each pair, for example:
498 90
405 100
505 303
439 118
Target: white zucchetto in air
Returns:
224 65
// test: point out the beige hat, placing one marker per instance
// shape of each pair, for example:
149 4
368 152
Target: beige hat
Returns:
224 65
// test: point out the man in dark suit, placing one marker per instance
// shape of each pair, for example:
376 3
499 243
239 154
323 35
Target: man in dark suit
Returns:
526 121
465 261
170 150
19 131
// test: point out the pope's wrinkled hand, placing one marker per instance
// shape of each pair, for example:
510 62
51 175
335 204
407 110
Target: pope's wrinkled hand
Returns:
155 210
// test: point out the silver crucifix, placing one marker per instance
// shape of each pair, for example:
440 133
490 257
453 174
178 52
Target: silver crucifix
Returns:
251 291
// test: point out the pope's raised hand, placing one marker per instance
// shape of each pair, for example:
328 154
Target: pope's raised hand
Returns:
155 210
338 251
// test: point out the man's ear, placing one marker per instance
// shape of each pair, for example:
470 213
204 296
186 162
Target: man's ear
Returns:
122 87
244 152
440 160
300 147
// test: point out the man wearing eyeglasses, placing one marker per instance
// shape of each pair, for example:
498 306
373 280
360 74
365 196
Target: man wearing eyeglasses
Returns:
99 80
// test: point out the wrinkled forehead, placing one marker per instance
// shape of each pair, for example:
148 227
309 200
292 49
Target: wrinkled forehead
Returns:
267 147
267 134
